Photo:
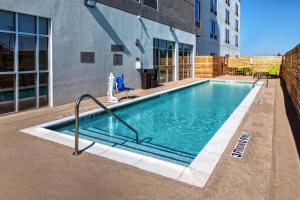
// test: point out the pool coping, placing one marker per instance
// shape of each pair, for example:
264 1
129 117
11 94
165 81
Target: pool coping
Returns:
196 174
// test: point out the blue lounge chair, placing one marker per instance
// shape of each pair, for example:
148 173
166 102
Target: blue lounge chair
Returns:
120 86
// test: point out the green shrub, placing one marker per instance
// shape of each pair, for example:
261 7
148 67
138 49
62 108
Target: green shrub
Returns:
273 70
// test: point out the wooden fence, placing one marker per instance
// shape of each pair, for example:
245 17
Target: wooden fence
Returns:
258 63
213 66
290 72
210 66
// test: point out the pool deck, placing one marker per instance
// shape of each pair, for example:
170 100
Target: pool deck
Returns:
33 168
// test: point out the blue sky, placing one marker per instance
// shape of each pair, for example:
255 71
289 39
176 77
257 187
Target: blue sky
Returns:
269 26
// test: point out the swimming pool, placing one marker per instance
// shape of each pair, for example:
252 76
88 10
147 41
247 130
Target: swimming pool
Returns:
173 127
184 130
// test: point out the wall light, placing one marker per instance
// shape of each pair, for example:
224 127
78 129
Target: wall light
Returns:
90 3
172 28
137 42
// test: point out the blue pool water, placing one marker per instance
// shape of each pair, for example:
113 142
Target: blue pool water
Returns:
174 126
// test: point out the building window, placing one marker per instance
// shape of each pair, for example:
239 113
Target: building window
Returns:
23 62
7 21
227 17
7 52
163 59
151 3
228 2
237 25
237 41
117 59
213 6
185 61
7 93
227 41
213 29
236 9
27 24
27 47
197 13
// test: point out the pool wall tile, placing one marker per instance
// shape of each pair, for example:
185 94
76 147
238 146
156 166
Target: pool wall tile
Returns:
122 156
193 177
205 162
163 168
216 146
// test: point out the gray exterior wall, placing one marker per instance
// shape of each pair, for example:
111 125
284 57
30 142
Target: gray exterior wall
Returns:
76 28
207 45
176 13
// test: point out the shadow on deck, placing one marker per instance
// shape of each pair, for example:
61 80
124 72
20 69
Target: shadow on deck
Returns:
292 115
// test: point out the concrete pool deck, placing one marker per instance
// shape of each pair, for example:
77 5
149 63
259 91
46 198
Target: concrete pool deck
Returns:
32 168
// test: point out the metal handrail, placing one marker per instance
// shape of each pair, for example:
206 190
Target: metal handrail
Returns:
258 79
77 151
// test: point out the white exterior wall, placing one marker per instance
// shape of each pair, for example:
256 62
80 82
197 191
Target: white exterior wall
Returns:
207 45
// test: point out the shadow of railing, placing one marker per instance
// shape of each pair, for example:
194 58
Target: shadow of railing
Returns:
144 146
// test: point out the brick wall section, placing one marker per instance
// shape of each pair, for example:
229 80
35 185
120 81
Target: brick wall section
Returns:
290 72
260 63
210 66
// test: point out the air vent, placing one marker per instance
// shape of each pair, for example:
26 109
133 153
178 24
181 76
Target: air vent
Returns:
117 59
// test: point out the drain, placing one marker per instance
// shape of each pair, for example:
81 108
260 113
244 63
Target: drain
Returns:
259 100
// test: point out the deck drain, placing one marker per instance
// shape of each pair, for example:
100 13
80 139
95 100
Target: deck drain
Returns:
259 100
65 115
241 145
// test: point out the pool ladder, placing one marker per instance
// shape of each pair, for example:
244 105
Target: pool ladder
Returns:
254 83
258 79
85 96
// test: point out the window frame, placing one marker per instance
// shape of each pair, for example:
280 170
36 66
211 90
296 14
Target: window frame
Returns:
236 41
227 17
157 48
36 71
237 8
227 36
214 7
227 2
213 29
198 13
142 2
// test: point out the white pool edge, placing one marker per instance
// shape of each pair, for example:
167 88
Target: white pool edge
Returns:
196 174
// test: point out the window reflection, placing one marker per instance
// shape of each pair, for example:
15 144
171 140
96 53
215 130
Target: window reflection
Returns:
43 26
27 53
7 21
163 54
43 89
151 3
7 50
43 53
27 91
27 23
33 75
185 64
7 93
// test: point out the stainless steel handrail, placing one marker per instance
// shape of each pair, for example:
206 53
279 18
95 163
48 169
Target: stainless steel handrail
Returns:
77 151
255 82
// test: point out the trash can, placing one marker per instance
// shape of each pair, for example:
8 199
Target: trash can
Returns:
154 78
146 79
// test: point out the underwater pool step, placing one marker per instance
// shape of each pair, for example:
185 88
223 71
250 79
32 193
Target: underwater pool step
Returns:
144 143
163 154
